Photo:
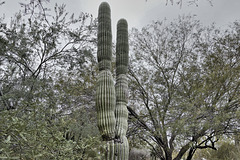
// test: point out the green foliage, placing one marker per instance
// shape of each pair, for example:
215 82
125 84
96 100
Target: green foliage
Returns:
47 85
184 86
225 151
30 133
185 82
38 53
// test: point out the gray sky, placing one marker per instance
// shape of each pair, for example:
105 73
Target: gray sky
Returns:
141 12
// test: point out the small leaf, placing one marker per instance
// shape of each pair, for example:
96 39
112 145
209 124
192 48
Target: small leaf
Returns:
8 139
39 155
24 138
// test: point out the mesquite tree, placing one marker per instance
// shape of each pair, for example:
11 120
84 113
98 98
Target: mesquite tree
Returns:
112 107
187 91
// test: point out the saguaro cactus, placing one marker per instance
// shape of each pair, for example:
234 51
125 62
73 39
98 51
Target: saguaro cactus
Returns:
105 93
121 87
112 107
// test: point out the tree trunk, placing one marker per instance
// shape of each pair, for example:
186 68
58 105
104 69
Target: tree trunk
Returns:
168 154
182 152
191 153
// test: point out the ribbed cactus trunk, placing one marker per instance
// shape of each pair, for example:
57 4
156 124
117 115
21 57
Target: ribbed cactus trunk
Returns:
121 87
105 93
111 107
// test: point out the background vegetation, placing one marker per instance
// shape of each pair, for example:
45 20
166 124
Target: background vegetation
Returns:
183 85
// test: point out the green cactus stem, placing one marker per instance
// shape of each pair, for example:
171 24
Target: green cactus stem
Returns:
105 93
122 47
104 50
121 87
105 103
112 122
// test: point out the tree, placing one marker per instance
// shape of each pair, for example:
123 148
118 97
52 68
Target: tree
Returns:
190 2
226 150
2 2
47 76
184 86
40 51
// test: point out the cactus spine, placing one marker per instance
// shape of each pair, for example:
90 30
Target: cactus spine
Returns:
105 93
121 87
111 107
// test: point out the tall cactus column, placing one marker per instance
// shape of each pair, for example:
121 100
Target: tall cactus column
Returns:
121 87
105 93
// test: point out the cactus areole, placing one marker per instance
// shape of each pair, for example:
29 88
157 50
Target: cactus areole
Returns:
111 101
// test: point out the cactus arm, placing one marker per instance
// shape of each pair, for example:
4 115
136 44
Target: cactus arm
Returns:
104 44
121 87
105 92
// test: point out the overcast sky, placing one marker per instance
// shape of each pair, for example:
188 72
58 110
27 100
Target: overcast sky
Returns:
141 12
